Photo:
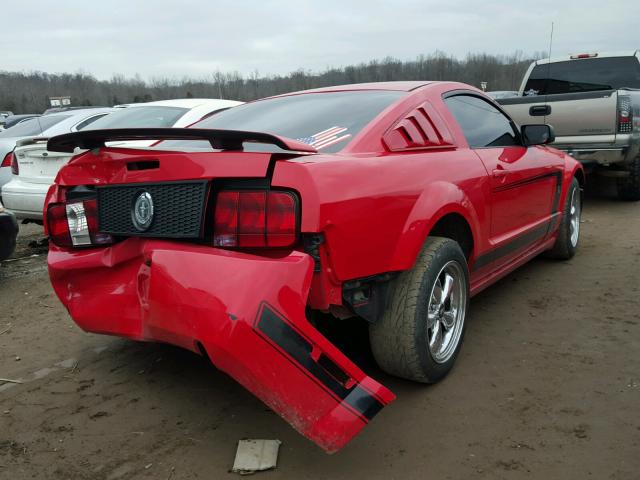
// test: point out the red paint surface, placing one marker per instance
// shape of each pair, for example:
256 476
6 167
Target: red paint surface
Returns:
375 203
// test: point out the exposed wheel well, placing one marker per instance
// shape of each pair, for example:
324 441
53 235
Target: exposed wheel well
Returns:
455 227
581 180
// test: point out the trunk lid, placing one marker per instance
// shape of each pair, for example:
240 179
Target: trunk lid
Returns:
110 166
36 163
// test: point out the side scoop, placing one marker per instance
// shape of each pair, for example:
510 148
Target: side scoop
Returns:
246 311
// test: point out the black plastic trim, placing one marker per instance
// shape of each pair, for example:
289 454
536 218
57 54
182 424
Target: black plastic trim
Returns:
143 186
367 297
219 139
520 242
298 349
555 97
539 110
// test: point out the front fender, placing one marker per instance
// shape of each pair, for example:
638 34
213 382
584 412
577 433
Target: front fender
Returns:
572 168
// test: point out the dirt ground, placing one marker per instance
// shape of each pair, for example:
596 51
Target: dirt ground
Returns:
547 386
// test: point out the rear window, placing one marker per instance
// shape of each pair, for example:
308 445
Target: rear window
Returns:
33 126
140 117
327 121
584 75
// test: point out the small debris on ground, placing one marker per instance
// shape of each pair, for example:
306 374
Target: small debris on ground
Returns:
255 456
8 380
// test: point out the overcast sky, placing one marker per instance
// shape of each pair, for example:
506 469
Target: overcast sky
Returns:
177 38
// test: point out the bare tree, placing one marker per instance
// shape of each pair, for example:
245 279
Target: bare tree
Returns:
29 92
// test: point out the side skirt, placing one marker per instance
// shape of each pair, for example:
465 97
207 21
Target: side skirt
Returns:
477 285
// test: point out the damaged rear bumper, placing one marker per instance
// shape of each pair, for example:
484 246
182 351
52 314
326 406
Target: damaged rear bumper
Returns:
247 312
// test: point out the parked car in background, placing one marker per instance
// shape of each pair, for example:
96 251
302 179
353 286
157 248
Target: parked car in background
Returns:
8 233
44 126
592 100
14 120
175 113
51 110
3 117
394 202
36 168
5 113
502 94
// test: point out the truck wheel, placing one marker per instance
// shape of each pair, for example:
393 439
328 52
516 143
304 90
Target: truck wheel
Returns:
420 333
569 231
629 187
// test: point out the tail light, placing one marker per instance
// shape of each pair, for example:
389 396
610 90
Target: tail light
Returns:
75 224
7 160
255 218
15 168
625 117
583 55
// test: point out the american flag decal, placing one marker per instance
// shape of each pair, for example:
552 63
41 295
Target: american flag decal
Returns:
327 137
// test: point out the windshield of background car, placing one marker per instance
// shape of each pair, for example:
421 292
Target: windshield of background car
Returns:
33 126
140 117
327 121
584 75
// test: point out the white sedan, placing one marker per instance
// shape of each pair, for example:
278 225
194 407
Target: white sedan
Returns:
35 168
44 126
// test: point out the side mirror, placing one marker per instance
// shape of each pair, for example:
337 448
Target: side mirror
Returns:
537 134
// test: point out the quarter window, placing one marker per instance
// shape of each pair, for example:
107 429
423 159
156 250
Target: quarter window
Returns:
88 121
483 124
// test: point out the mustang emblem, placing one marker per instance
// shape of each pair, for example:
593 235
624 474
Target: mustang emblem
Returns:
142 214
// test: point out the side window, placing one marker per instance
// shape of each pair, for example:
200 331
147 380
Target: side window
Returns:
483 124
87 122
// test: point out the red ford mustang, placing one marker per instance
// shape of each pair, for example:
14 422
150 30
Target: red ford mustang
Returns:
394 202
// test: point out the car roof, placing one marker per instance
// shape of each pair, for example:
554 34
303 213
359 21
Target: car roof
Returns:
185 103
400 86
24 115
72 118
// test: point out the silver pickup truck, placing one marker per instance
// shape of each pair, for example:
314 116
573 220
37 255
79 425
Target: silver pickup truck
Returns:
593 103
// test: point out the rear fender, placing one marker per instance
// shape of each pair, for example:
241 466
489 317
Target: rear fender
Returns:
440 199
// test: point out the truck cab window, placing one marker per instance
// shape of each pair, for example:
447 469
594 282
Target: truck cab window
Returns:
584 75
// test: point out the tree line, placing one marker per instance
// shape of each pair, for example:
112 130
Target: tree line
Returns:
29 92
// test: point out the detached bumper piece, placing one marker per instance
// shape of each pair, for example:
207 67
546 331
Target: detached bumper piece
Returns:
246 311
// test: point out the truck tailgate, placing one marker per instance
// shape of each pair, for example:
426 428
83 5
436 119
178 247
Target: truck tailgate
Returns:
570 114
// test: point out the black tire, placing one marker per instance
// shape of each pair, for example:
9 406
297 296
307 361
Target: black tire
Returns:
565 248
8 234
629 187
399 339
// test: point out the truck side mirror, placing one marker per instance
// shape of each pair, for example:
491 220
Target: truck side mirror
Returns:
537 135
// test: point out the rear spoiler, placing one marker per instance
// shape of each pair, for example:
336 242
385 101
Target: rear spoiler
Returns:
31 141
219 139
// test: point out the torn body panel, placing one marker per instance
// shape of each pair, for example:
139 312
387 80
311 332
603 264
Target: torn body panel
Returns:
150 290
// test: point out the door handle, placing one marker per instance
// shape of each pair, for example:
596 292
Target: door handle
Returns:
500 173
540 110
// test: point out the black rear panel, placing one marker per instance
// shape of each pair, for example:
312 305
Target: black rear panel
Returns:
178 209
